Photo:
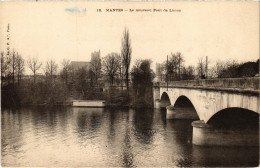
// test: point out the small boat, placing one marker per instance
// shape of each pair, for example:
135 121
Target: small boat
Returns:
88 103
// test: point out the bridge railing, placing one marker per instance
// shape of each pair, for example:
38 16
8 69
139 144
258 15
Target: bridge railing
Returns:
251 83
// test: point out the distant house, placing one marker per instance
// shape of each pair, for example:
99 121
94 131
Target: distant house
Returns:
80 64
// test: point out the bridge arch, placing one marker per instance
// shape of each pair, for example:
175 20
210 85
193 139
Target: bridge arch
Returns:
185 103
227 101
231 126
235 117
165 100
209 102
182 103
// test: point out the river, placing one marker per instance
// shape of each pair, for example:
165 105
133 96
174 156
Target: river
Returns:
67 136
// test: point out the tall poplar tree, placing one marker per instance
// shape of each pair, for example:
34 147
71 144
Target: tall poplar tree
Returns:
126 52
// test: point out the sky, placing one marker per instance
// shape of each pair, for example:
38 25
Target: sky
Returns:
72 30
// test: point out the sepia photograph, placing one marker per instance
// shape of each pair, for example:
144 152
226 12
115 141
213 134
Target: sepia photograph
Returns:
129 84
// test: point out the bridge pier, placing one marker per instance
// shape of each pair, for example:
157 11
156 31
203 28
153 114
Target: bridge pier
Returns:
157 104
206 135
156 97
180 113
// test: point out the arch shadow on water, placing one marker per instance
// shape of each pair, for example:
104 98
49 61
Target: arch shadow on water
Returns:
225 156
238 121
235 118
165 100
185 108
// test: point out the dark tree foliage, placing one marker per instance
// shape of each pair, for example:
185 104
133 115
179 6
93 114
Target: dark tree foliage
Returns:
235 70
174 66
111 64
96 65
20 67
81 82
91 75
188 73
5 68
51 70
249 69
34 65
66 70
84 88
142 77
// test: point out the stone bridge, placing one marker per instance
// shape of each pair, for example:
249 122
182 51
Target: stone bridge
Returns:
204 99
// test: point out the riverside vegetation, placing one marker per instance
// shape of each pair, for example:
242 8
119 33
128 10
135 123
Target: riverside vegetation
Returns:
108 78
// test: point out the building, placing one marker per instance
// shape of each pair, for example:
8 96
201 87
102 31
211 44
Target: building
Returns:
75 65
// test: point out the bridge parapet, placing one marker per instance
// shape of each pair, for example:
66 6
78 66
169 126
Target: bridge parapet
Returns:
251 83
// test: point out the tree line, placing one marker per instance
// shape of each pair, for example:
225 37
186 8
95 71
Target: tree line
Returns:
56 86
174 69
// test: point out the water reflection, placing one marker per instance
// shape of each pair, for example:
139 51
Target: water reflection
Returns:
143 123
88 118
11 134
181 130
113 116
88 121
179 133
107 137
127 148
225 156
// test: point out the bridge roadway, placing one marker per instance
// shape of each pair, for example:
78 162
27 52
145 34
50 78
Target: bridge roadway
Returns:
209 97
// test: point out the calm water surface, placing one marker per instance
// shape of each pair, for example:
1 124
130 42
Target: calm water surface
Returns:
108 137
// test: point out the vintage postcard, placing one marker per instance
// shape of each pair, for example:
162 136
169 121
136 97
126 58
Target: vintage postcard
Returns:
129 84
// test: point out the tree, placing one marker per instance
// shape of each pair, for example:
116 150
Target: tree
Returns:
111 64
230 70
249 69
20 67
126 52
5 65
142 76
96 64
179 61
13 65
206 67
120 71
201 69
217 69
51 69
174 66
170 66
34 65
188 73
66 69
81 83
91 75
233 69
